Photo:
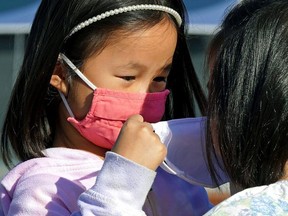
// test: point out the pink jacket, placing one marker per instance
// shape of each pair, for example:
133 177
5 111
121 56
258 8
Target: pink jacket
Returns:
64 183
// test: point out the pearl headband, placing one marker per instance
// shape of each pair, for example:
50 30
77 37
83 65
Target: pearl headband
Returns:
106 14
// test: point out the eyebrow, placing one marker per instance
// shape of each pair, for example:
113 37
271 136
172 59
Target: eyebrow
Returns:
166 67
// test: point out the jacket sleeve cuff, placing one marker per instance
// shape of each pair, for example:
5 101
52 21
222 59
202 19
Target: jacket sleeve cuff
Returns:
121 185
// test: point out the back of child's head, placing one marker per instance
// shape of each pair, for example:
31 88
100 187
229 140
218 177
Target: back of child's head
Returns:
32 114
248 99
238 15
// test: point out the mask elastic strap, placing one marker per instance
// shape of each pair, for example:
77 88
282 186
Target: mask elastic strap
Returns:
80 74
66 104
77 71
178 173
167 168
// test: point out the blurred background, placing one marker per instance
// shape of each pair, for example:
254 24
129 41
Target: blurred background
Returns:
16 17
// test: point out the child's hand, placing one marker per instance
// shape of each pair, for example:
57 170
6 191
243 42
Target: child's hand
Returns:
138 142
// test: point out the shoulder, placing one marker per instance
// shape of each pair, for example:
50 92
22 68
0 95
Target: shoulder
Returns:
264 200
58 166
57 180
40 194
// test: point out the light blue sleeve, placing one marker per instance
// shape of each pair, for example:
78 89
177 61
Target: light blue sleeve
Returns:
121 189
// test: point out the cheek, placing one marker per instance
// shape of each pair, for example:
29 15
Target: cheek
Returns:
80 99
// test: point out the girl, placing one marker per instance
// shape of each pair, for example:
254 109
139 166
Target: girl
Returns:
248 107
90 65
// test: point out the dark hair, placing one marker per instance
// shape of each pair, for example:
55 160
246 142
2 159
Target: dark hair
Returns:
248 94
29 125
238 15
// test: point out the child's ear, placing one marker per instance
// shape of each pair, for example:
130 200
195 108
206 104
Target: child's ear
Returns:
58 79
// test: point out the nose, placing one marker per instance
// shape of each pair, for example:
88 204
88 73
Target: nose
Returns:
144 87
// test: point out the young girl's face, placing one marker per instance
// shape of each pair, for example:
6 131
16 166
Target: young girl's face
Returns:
139 62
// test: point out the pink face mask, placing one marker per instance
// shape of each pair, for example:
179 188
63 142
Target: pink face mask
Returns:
110 109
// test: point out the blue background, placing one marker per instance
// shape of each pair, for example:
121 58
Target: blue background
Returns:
201 12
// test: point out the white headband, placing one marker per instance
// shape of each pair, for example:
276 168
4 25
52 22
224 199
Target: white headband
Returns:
106 14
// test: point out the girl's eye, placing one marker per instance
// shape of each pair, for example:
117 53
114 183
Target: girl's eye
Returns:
128 78
160 79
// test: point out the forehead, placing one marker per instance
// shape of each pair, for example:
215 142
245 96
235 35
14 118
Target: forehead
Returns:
145 36
152 47
161 35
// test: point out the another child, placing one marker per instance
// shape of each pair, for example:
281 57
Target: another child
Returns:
248 106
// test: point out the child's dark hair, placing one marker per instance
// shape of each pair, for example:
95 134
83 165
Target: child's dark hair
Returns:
248 94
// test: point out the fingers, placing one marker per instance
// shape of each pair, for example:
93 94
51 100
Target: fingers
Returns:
138 142
136 117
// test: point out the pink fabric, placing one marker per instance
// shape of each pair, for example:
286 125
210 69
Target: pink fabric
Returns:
110 109
58 178
52 186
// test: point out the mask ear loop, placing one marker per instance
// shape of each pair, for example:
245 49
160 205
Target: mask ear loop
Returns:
77 71
81 75
180 174
167 168
66 104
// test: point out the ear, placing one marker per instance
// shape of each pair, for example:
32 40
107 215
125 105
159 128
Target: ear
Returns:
58 79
